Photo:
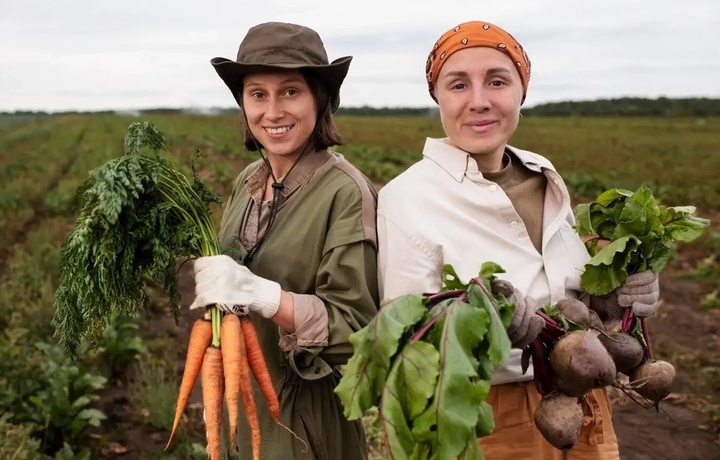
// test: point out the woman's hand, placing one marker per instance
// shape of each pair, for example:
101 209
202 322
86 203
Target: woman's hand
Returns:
221 281
641 291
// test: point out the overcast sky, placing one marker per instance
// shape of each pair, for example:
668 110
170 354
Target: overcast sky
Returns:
124 54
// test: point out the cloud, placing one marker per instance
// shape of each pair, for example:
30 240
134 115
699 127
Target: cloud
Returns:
80 54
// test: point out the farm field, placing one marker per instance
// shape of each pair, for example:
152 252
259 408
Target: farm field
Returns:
119 400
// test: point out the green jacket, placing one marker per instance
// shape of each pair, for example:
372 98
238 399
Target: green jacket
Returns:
323 242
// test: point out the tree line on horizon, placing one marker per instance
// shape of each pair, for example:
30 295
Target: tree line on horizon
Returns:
625 106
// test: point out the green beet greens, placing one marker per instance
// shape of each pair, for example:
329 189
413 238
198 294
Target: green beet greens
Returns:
640 232
426 363
137 214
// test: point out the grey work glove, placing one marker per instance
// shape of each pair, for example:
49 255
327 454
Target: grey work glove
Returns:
525 325
640 291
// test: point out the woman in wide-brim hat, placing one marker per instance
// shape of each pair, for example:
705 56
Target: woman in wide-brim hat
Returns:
281 46
301 221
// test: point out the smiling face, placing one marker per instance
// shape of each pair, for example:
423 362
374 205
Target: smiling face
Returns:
479 92
281 111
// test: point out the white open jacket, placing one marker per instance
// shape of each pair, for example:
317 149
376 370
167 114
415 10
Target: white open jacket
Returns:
442 210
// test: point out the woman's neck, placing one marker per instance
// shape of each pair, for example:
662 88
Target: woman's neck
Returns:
282 164
486 161
490 163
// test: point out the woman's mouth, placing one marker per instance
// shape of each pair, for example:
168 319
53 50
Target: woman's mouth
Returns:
278 130
482 126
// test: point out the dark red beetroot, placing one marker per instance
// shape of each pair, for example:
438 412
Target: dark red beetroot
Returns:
653 380
581 363
559 419
626 351
504 287
595 321
574 310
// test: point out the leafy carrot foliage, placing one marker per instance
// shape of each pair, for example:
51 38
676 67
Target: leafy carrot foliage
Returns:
137 214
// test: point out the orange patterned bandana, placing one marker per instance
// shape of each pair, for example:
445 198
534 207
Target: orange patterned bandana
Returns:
471 34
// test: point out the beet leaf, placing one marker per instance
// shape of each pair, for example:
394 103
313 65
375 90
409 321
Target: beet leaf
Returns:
409 387
427 362
451 418
641 233
375 345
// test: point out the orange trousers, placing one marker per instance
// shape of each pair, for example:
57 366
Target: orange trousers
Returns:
515 436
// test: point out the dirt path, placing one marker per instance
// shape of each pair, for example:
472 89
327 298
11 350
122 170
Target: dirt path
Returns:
690 339
648 435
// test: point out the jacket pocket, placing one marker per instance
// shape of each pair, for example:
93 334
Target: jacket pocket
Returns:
313 438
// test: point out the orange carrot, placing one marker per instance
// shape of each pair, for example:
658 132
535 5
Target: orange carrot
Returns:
259 367
248 398
200 338
232 348
213 383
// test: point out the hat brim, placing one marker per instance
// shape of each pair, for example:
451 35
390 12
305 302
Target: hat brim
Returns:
333 74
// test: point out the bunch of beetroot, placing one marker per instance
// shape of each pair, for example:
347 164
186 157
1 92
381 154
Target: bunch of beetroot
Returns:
574 354
625 232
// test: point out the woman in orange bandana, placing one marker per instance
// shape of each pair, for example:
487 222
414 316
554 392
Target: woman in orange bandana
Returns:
473 198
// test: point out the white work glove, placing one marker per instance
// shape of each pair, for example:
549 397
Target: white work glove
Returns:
525 324
640 291
221 281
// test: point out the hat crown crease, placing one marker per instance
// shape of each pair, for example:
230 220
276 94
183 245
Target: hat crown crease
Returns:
281 55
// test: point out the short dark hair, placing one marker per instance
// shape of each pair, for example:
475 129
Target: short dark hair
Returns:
325 134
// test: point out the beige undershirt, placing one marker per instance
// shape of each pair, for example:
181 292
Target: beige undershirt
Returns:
526 190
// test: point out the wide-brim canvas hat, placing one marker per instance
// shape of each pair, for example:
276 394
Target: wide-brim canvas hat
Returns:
279 45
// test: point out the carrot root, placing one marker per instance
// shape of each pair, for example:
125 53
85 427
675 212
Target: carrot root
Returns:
200 338
257 364
294 435
256 360
248 399
213 384
230 338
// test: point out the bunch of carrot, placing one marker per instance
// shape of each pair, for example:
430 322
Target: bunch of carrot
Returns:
225 359
138 214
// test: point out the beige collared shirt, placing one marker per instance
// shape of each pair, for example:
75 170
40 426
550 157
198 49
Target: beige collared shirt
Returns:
443 211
